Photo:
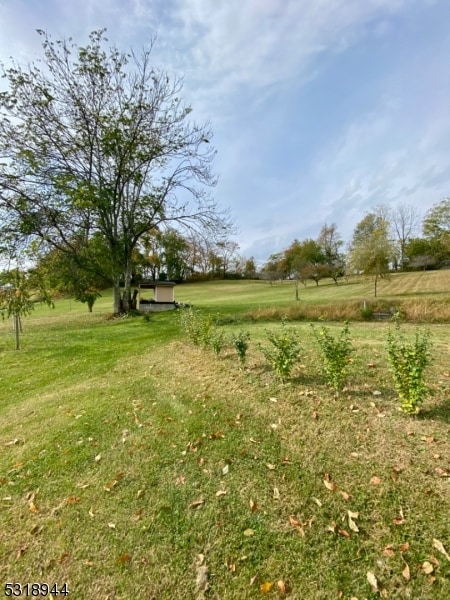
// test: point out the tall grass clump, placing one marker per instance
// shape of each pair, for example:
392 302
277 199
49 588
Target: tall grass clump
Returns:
284 350
335 352
408 360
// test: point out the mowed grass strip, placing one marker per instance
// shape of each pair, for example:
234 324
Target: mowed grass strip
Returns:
421 297
133 464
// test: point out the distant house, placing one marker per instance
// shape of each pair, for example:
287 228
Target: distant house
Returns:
156 296
423 261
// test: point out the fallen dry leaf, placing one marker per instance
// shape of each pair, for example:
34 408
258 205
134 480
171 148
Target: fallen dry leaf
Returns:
252 505
345 495
276 493
332 527
375 480
196 504
14 442
123 559
372 581
98 458
399 520
351 523
389 551
427 567
21 551
440 548
406 573
404 547
33 507
112 525
249 532
266 587
73 500
281 586
220 493
330 485
295 523
442 472
344 533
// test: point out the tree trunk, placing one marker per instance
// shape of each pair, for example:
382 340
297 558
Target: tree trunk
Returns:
376 281
17 328
126 298
133 304
117 300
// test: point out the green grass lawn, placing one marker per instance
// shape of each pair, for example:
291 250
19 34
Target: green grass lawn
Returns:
134 464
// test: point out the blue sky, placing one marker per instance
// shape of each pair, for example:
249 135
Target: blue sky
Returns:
321 109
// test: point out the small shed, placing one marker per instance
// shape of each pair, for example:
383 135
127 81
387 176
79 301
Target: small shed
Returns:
155 296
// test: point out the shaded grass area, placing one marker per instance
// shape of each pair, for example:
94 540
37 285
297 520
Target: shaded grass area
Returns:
125 453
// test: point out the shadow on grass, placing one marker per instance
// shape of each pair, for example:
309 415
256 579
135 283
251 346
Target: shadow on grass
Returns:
439 412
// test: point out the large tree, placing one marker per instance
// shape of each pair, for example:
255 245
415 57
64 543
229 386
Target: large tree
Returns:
94 141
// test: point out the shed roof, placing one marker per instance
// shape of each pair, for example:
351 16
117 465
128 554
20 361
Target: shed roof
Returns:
151 285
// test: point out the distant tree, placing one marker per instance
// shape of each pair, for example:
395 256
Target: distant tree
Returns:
149 256
226 250
249 268
371 248
275 267
306 261
174 254
419 254
405 221
436 229
331 244
437 219
96 141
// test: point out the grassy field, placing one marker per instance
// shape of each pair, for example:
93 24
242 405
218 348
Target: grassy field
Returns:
134 464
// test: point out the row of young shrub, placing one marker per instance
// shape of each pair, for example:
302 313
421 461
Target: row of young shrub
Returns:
408 358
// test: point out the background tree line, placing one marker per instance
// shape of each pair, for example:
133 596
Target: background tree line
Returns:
384 240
